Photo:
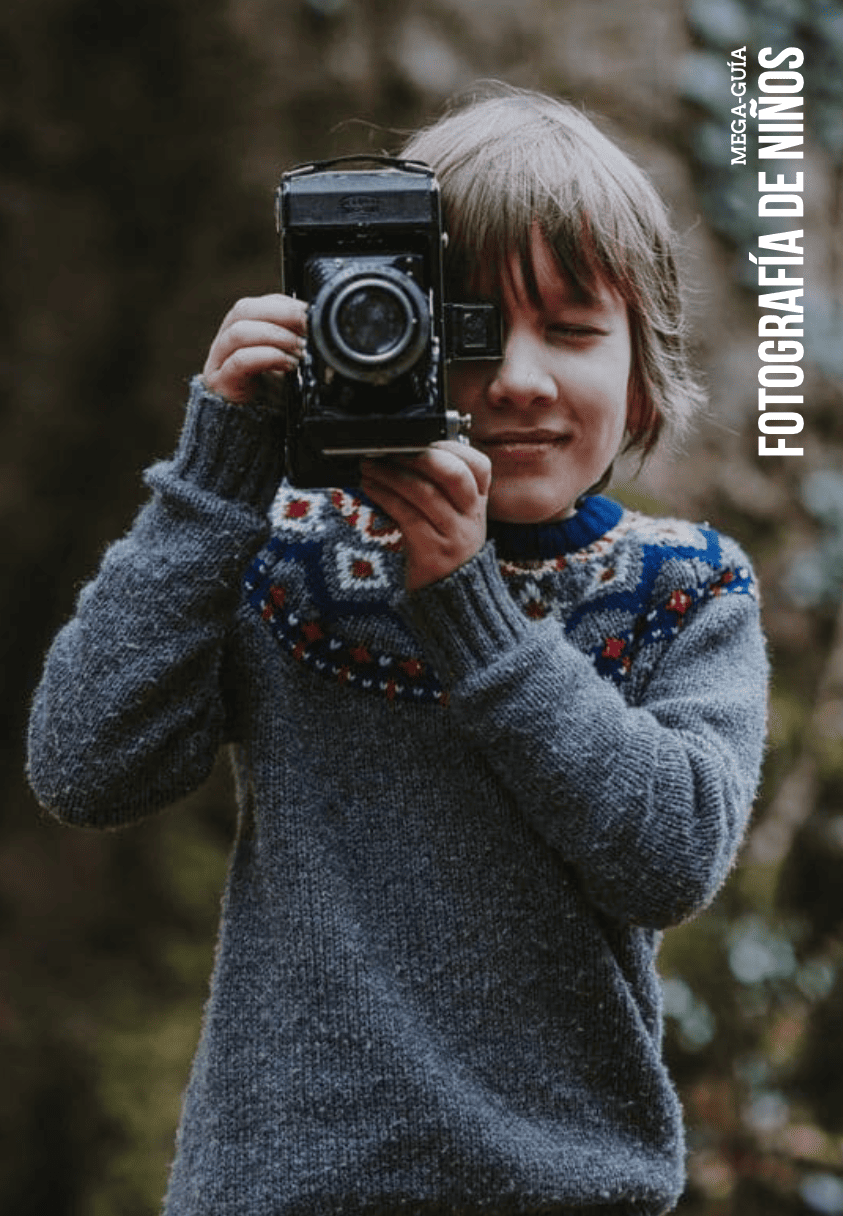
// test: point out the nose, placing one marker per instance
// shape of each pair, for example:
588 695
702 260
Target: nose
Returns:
521 379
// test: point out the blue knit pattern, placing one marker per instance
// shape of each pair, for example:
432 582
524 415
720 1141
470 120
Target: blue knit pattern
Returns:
333 559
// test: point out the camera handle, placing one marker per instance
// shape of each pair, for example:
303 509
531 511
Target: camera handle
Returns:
388 162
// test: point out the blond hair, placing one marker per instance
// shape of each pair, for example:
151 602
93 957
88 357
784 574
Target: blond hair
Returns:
510 159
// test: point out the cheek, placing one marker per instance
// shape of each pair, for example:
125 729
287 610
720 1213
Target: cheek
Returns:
615 389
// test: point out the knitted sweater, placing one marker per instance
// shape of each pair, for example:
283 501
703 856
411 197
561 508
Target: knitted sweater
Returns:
464 817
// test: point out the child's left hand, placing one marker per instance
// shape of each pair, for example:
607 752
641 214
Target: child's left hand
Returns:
439 501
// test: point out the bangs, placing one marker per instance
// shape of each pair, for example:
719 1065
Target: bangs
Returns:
491 218
482 273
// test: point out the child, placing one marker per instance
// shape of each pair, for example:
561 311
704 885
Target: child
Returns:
491 732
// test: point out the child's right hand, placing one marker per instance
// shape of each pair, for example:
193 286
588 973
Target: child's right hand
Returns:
259 335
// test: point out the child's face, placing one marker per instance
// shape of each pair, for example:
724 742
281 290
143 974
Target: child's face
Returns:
551 415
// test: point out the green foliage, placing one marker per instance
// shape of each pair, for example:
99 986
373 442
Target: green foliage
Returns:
148 1032
142 1057
816 576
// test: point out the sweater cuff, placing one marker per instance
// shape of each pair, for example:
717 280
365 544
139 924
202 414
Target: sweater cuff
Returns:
234 451
467 620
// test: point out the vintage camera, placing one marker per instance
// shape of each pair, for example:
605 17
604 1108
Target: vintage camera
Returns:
363 246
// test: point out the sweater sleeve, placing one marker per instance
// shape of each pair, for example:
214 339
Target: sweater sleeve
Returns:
648 802
130 710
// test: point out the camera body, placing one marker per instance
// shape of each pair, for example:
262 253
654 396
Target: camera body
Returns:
363 247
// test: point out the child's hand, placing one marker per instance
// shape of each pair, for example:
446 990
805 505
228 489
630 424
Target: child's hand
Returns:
265 334
438 499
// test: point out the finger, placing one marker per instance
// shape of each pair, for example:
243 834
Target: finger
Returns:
396 504
458 478
435 490
477 461
276 308
408 498
243 334
239 376
254 360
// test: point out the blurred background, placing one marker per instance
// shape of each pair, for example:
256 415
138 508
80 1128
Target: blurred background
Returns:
142 141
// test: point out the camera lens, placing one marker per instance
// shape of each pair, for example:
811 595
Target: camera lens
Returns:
372 320
370 324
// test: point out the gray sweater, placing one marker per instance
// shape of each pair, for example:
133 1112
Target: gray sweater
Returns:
464 817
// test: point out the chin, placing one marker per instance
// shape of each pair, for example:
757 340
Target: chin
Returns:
520 508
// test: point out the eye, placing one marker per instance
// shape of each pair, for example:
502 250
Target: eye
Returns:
573 333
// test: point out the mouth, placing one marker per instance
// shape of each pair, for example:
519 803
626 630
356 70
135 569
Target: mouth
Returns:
512 442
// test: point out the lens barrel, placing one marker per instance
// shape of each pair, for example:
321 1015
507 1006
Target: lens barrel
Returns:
370 325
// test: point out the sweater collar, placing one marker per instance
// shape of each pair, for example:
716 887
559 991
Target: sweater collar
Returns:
526 542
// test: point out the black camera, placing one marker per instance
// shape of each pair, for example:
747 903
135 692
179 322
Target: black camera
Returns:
363 247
